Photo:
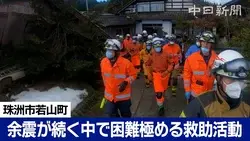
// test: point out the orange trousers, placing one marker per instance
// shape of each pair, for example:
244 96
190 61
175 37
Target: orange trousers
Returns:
136 62
160 86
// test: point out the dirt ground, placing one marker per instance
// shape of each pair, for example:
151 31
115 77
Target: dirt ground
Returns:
143 99
144 103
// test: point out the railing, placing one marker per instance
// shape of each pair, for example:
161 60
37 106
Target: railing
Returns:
14 72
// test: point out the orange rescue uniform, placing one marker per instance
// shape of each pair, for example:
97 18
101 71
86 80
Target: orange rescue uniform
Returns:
142 46
124 52
160 63
134 51
145 55
127 43
174 51
197 73
122 70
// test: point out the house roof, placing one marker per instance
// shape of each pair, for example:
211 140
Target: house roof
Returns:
110 20
115 20
162 16
134 1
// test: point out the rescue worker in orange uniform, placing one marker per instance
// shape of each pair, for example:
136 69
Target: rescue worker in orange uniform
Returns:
141 42
174 51
127 41
134 51
144 55
118 73
144 36
197 68
162 67
230 97
124 50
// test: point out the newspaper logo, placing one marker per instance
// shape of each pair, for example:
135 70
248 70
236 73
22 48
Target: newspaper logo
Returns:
233 10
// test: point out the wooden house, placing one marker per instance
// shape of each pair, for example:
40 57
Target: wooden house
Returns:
151 15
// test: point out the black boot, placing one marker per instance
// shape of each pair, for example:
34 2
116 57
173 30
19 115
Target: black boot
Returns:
138 76
161 111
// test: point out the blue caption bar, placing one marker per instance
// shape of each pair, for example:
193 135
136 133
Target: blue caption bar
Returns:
125 129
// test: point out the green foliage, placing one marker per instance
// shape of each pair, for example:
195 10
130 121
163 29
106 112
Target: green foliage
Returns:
241 39
56 36
239 29
181 23
115 5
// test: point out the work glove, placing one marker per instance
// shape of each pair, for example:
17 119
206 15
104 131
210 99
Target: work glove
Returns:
123 86
187 95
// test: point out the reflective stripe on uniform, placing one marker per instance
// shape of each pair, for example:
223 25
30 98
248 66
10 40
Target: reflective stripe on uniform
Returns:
186 83
198 72
122 96
131 79
120 76
108 95
159 103
118 97
182 114
107 74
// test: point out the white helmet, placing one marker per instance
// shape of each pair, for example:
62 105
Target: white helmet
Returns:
128 35
121 36
144 32
150 37
207 36
225 57
172 36
113 44
157 40
166 36
139 36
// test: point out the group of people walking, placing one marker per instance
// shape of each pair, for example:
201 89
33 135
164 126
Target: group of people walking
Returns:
208 78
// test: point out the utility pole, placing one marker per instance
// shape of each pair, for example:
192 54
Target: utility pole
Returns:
87 6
